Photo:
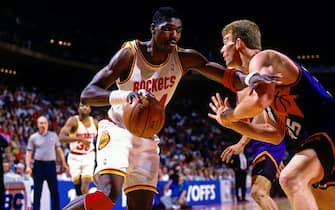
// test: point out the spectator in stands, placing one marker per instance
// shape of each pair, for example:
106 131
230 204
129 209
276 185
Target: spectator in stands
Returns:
164 173
4 139
175 192
19 169
44 144
6 166
16 175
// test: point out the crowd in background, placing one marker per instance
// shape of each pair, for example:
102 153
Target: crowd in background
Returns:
189 139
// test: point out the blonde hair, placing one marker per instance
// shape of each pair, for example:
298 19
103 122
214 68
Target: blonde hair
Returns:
246 30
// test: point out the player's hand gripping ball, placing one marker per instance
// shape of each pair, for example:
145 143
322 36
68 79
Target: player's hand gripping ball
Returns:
144 116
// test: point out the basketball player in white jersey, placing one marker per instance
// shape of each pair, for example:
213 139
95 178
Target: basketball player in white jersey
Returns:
156 66
79 132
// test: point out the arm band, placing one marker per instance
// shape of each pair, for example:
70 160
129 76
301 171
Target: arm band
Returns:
248 77
227 79
118 97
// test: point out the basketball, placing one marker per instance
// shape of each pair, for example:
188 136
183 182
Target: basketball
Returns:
144 117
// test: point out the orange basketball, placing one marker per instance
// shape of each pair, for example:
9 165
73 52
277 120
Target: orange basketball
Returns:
144 117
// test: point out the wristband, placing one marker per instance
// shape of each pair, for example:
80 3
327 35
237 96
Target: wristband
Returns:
118 97
228 78
248 77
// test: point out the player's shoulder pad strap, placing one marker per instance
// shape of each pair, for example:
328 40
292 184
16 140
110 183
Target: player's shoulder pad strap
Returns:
130 44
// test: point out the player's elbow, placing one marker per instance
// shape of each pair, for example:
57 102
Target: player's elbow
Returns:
264 101
84 97
61 138
260 102
272 134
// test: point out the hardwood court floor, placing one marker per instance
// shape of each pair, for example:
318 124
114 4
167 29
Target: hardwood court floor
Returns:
250 205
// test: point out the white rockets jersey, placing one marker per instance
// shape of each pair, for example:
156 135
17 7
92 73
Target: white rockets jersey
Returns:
84 133
161 80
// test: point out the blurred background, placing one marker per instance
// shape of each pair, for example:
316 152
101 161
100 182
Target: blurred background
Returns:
50 50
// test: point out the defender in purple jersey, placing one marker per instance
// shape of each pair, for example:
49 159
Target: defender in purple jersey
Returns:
302 108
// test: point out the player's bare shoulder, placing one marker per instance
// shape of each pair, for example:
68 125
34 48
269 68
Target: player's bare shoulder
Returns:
73 122
70 126
121 63
273 61
270 56
124 55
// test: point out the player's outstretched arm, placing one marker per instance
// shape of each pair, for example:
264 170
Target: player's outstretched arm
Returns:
231 78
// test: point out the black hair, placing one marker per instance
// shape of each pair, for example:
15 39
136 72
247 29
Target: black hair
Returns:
174 178
163 14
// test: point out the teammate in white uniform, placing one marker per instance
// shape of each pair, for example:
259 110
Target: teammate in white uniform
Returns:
80 131
125 161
